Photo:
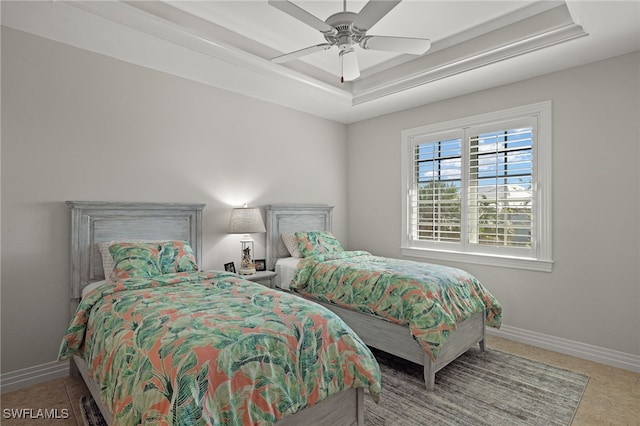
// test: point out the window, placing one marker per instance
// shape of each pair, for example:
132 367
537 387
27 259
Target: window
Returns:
478 189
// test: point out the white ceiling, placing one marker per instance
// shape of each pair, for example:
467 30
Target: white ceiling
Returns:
259 21
475 45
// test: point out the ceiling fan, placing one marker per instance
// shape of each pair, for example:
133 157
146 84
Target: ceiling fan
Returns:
346 29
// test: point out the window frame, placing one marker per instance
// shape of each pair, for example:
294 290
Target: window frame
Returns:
540 256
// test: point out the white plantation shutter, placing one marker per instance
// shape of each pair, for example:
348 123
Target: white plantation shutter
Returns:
500 187
473 186
436 202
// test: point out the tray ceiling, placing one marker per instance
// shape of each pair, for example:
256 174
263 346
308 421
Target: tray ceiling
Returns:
228 44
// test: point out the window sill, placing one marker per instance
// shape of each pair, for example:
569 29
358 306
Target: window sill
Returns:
480 259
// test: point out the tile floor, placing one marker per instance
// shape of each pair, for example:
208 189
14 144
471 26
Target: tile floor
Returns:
612 396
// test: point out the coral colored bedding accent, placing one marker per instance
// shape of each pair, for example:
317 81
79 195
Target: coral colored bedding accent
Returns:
196 348
431 299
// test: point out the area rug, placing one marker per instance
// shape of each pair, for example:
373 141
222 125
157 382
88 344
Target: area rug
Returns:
479 388
90 412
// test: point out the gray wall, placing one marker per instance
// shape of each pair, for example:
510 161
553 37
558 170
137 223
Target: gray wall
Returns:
593 294
81 126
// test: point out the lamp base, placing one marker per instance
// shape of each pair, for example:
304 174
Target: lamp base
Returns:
247 271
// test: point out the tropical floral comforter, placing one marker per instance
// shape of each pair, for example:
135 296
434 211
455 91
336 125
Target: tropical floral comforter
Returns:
196 348
431 299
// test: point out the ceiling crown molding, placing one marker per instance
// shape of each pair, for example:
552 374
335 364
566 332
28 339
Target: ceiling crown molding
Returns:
521 32
542 37
173 25
538 31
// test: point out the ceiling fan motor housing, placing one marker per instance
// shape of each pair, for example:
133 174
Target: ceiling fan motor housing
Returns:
346 36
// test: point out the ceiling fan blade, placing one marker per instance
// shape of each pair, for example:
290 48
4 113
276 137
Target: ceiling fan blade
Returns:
414 46
302 15
372 12
350 68
300 53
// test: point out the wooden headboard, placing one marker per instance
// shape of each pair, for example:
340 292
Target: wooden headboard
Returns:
94 221
284 218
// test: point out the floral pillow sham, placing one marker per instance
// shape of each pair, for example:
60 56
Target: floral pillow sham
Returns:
133 260
107 259
317 242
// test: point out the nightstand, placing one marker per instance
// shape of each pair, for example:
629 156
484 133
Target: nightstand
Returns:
261 276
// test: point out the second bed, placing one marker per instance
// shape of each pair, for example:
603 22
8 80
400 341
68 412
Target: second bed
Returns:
428 314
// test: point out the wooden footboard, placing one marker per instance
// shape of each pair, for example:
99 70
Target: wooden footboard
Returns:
397 340
468 334
343 409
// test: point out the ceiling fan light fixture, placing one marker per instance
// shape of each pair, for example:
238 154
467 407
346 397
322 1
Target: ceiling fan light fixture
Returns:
350 68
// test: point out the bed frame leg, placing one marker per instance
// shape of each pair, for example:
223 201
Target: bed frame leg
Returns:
429 374
360 406
482 345
73 370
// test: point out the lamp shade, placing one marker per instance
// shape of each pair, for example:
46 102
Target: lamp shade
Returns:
246 221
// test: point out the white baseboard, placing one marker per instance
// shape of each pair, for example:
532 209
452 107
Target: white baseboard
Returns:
19 379
14 380
569 347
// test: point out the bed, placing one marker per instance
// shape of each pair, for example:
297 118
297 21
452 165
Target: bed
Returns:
257 351
376 331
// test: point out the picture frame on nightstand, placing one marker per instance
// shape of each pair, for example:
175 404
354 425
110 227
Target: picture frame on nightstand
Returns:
230 267
261 264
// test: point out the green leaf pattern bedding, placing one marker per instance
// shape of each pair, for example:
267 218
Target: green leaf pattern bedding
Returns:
195 348
431 299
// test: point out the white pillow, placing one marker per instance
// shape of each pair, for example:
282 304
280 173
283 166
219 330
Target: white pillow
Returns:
108 265
290 242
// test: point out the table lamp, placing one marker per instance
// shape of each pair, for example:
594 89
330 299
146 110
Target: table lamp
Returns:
246 221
